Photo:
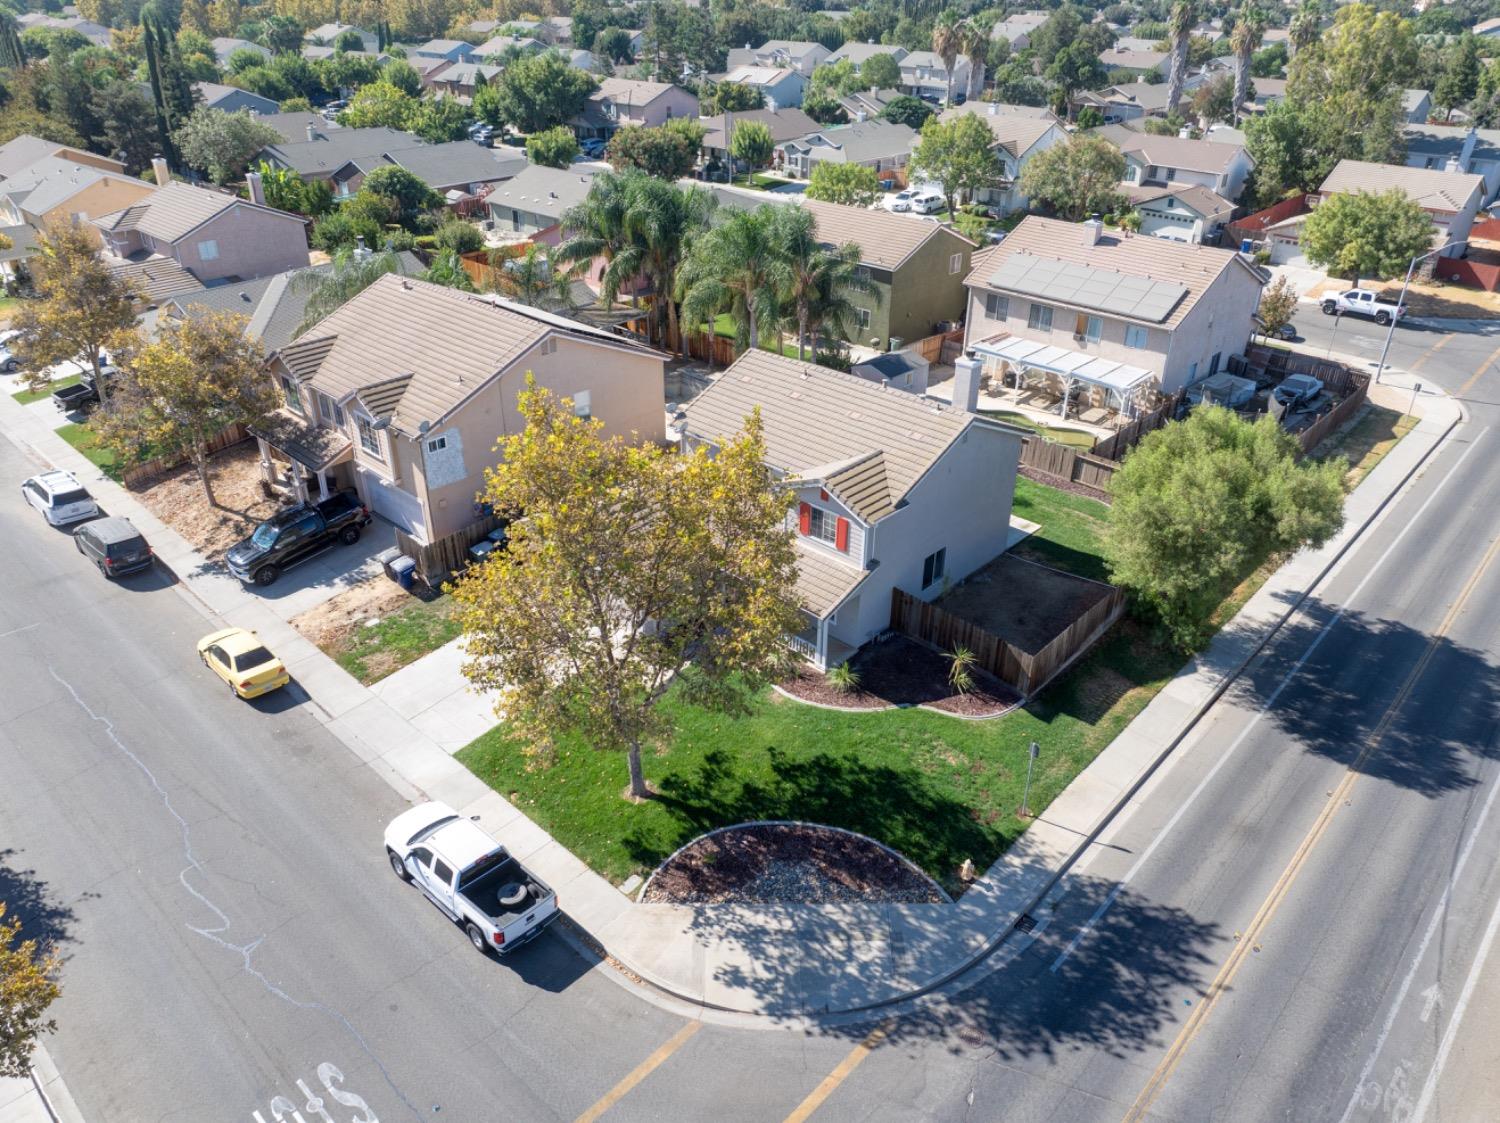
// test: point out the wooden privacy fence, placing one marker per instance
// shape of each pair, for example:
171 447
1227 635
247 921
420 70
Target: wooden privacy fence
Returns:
149 471
1125 438
1313 435
1026 672
435 561
931 348
1066 463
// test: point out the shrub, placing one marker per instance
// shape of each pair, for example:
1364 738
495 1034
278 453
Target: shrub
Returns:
843 678
961 663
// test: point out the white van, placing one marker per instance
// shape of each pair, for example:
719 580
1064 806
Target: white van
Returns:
60 498
928 202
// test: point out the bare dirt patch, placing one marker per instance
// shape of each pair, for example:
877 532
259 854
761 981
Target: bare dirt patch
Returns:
761 863
1025 604
177 499
332 622
1434 298
899 671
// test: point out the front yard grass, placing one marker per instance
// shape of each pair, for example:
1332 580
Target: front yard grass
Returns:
371 652
1366 440
26 397
86 441
1072 533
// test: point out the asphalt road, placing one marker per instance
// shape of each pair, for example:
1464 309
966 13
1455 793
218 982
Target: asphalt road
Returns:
1286 927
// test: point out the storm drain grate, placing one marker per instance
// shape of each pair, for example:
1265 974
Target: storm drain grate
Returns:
1026 923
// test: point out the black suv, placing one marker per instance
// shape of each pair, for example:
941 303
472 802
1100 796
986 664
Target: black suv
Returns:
296 534
114 545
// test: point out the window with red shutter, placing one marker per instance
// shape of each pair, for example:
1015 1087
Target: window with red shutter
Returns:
804 518
841 535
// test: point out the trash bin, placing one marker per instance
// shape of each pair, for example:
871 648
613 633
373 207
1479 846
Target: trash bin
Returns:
404 569
387 559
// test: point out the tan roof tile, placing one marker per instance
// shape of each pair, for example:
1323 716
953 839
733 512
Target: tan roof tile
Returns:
885 240
1432 188
823 582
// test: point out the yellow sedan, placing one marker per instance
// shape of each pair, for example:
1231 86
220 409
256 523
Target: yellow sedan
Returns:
240 659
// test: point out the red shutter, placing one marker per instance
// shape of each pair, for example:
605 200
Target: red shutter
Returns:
823 495
841 535
804 518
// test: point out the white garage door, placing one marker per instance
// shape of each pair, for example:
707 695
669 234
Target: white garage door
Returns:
390 502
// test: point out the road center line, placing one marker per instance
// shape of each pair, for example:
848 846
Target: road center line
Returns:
640 1072
831 1082
1284 882
1265 706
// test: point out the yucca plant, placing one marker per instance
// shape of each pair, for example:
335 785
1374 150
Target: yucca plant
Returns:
843 678
961 670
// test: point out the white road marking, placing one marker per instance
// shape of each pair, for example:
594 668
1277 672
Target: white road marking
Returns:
18 631
1270 701
1431 998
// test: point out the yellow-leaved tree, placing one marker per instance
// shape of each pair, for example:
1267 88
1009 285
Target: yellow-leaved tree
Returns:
28 985
631 569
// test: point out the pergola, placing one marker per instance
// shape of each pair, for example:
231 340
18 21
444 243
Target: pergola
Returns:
1120 381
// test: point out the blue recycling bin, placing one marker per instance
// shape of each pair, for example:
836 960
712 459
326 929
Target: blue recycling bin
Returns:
405 571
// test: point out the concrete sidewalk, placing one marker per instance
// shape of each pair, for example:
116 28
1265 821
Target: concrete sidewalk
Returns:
41 1097
789 962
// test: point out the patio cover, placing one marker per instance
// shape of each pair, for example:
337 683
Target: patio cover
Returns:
1118 378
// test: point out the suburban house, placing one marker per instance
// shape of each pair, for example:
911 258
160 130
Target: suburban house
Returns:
534 201
1456 148
292 126
403 391
1129 101
579 59
778 85
315 52
803 57
224 47
1487 29
1017 27
1264 93
1452 198
1017 140
879 144
327 154
57 189
207 234
1180 212
498 45
343 157
861 105
1417 105
1113 315
95 33
231 99
893 491
13 257
628 101
325 35
21 152
1161 160
918 269
923 74
449 50
861 53
1136 62
458 168
783 124
461 79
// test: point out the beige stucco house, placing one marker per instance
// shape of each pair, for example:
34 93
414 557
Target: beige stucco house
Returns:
59 189
403 392
1110 314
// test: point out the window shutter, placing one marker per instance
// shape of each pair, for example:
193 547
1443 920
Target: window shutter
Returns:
804 518
841 534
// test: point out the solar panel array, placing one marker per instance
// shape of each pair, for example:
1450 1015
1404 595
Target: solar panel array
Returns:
1067 282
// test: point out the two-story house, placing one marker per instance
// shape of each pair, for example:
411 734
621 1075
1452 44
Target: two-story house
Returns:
878 144
327 34
462 78
1439 147
627 101
1017 28
1451 196
1135 62
801 56
783 125
925 75
58 189
1152 161
1112 315
24 150
1182 212
231 99
861 53
448 50
1018 138
779 86
403 392
893 491
533 202
208 234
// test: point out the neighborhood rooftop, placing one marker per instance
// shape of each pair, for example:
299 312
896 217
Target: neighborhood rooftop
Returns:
1432 188
170 212
885 240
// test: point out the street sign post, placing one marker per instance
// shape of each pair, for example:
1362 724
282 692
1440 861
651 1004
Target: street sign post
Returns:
1415 390
1030 765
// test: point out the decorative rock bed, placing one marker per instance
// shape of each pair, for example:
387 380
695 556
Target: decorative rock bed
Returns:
764 863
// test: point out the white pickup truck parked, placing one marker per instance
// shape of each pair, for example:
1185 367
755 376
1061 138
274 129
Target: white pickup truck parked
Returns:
1362 302
470 877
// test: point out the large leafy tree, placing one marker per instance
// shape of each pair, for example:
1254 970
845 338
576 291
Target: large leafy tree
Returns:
181 390
958 154
440 119
679 39
669 150
752 144
553 148
405 190
904 109
540 91
732 97
127 124
735 267
1460 78
28 985
1077 178
853 185
1367 235
819 281
222 144
577 626
80 305
1077 67
881 72
377 105
1199 502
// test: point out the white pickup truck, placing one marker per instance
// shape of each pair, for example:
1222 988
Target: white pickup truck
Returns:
470 877
1362 302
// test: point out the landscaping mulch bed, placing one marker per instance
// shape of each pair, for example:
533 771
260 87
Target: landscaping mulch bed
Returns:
177 499
1063 485
765 863
898 671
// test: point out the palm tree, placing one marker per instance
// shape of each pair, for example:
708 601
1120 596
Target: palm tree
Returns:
353 271
1304 28
735 267
661 221
819 279
974 41
531 278
1184 16
1249 26
945 44
596 229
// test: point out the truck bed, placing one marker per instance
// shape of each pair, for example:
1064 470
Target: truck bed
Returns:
483 892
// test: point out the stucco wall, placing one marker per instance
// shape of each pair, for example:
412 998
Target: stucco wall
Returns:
252 243
99 199
1218 324
924 290
1111 344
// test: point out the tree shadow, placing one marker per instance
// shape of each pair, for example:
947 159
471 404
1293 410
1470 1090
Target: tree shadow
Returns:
27 898
1338 704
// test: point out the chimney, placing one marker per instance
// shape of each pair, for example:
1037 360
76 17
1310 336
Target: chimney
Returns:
1453 165
966 375
994 109
257 188
860 117
312 132
361 251
1185 133
1092 229
160 171
1468 150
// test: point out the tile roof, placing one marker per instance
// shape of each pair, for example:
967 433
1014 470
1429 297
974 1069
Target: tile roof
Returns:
861 53
22 242
1195 267
864 140
315 446
1431 188
303 356
538 189
1207 203
1131 60
1175 151
21 152
53 180
631 91
784 124
157 276
885 240
758 75
823 582
499 44
175 210
862 486
292 126
381 398
1012 132
211 93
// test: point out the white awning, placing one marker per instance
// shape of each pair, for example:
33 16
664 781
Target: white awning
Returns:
1117 378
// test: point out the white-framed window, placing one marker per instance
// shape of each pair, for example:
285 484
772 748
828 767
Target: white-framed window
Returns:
290 392
208 251
330 410
437 444
823 525
369 437
1090 327
955 263
932 567
996 307
1135 336
1192 372
583 404
864 317
1039 318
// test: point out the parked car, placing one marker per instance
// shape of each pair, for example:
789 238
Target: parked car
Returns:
473 880
1363 302
84 394
60 498
928 202
900 202
8 361
1285 331
332 109
114 545
239 658
1298 390
293 536
593 147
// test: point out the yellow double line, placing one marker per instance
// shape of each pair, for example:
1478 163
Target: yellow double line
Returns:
1249 941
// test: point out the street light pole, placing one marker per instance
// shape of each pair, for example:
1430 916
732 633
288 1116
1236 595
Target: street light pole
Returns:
1400 300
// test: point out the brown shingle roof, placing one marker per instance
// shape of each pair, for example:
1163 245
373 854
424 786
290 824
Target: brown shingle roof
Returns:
885 240
1195 267
1431 188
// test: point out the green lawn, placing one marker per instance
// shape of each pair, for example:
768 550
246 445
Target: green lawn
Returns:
1072 529
1366 441
26 397
724 328
1073 438
8 306
412 631
85 441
